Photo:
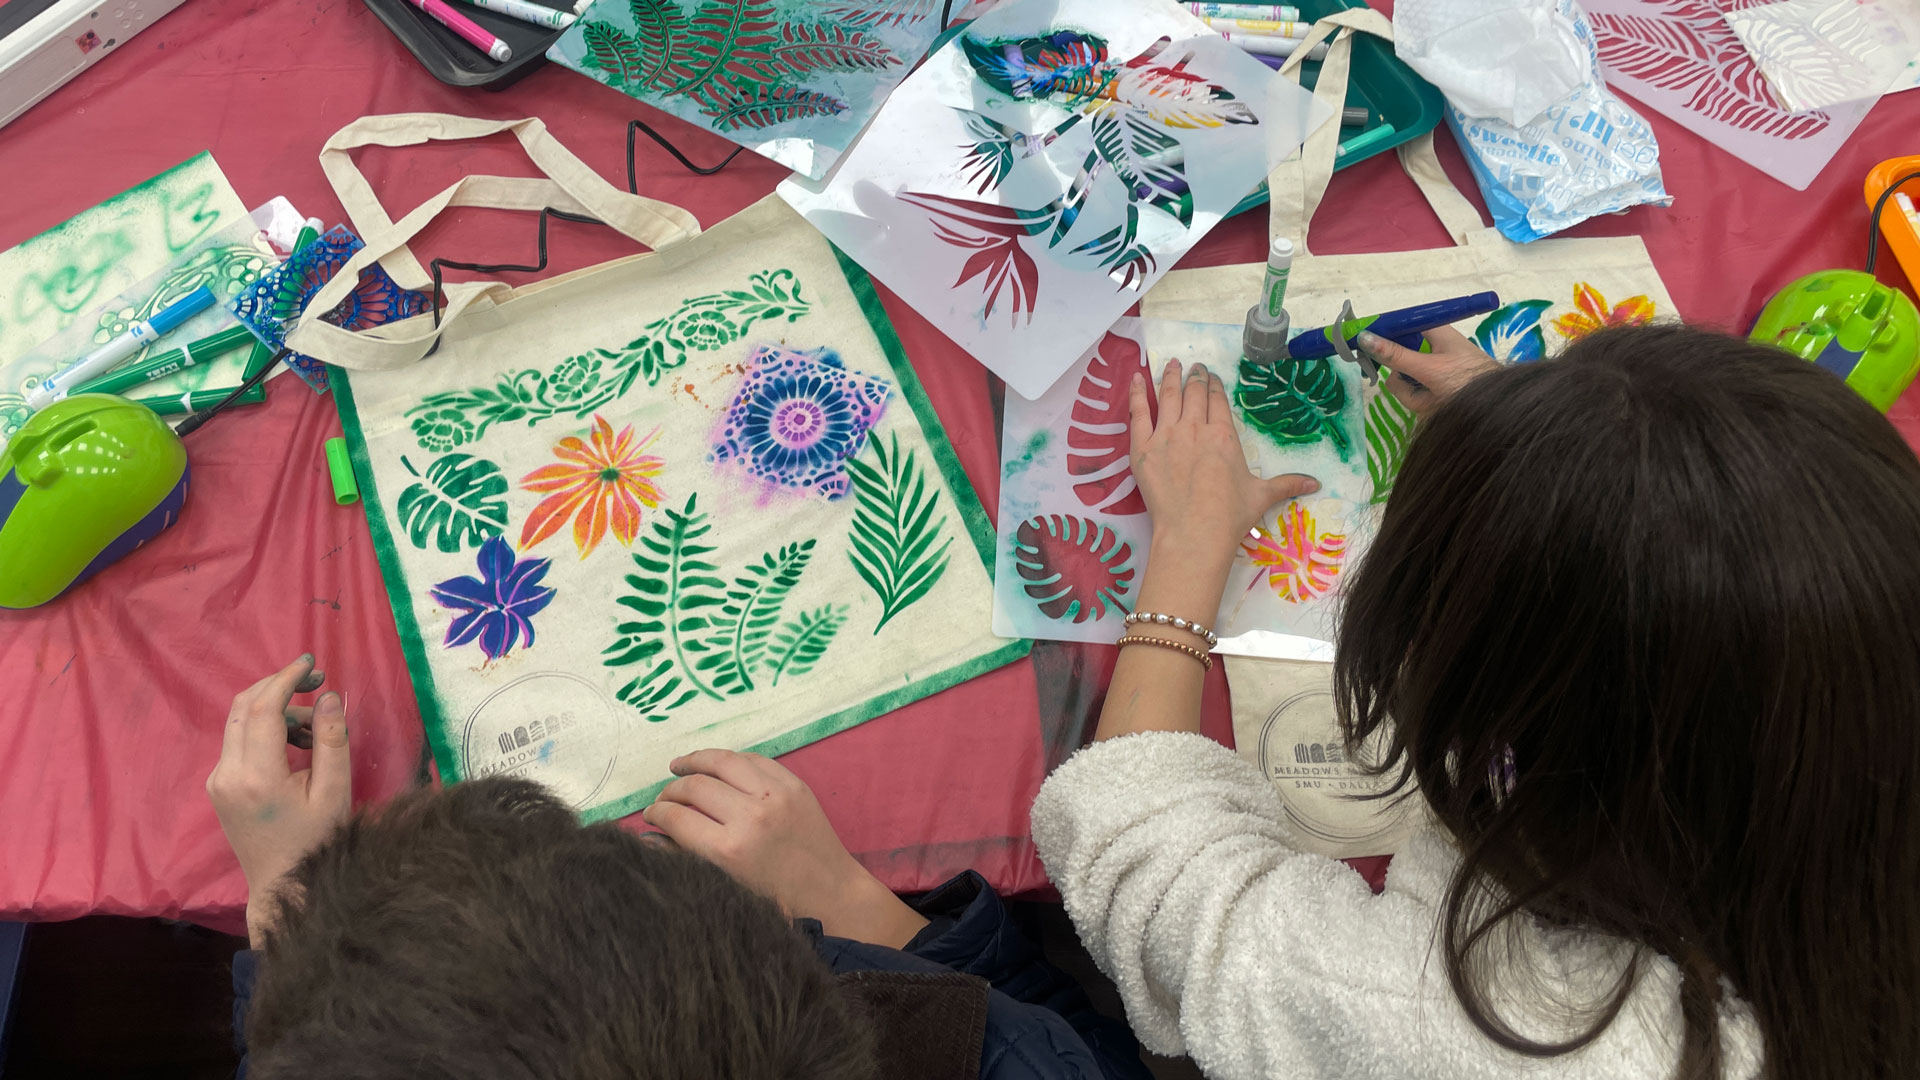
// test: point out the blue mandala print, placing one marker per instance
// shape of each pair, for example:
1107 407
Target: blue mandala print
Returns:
270 305
798 416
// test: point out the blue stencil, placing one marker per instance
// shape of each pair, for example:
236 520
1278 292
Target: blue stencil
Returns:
270 305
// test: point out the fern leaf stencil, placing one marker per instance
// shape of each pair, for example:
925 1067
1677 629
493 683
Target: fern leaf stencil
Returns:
899 538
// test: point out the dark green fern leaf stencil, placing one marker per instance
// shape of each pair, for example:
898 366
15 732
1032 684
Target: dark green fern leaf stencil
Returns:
458 504
804 49
1295 401
896 543
752 611
760 106
1389 430
674 593
613 51
659 27
801 643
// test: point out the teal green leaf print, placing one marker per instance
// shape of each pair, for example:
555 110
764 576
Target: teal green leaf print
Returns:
661 27
613 51
582 383
1295 401
1389 430
802 642
896 544
804 48
695 634
459 503
765 106
1512 334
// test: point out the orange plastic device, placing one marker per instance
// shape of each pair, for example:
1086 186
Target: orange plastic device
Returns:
1901 234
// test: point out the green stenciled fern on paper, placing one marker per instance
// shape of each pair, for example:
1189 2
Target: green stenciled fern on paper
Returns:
579 384
695 634
741 62
896 544
802 642
1389 430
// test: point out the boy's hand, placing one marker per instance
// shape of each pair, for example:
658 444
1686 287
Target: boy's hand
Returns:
1422 381
272 815
757 821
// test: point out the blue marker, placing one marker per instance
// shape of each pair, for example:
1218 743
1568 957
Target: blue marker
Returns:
109 356
1403 326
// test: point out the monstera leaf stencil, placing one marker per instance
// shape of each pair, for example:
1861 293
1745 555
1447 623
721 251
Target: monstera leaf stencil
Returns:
1098 439
459 503
1075 569
1295 401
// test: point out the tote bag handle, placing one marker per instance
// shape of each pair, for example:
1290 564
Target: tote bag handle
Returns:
1296 186
569 185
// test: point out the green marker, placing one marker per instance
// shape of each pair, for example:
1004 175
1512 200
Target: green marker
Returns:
1365 142
1264 339
169 362
199 399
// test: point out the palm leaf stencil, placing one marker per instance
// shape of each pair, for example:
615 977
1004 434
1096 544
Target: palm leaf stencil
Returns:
1074 568
752 610
1295 401
895 543
761 105
614 51
459 503
1389 429
660 26
674 594
801 642
804 48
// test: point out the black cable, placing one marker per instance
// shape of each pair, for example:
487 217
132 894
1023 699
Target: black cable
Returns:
194 421
633 185
1873 225
439 297
946 13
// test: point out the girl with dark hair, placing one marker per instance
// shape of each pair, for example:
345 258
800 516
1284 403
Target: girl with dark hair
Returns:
1641 629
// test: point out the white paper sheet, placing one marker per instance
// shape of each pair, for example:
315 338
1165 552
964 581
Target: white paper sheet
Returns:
1029 182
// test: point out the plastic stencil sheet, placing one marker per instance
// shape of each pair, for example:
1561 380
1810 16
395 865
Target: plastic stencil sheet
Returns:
1682 58
1030 182
1817 53
1073 527
791 80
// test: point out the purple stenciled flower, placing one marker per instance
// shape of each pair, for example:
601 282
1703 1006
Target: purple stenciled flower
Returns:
498 606
798 416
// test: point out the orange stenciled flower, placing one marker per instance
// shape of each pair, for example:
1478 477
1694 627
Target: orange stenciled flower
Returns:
1300 561
598 485
1593 313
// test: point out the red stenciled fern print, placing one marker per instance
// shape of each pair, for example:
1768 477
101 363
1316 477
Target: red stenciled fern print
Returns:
1686 46
994 235
1301 562
1075 569
1098 440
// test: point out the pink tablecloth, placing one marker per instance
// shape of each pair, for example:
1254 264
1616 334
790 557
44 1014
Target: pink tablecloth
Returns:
115 695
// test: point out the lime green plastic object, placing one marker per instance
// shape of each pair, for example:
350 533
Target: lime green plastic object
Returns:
85 481
1845 321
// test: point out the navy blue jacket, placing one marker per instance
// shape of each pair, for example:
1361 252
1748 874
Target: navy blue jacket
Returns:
1040 1025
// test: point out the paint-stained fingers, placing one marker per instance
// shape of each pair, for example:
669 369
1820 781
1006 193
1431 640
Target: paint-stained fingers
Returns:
263 716
1139 413
1170 395
711 796
741 771
685 826
1193 403
1218 411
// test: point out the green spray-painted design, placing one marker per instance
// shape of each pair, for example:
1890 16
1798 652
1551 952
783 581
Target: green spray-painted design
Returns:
188 215
224 268
896 544
1295 401
1389 429
744 64
578 385
458 503
696 634
1020 464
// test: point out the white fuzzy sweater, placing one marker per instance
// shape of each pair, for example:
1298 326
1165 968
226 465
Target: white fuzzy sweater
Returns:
1258 960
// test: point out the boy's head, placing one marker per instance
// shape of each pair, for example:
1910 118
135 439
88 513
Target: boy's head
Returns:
1645 621
481 932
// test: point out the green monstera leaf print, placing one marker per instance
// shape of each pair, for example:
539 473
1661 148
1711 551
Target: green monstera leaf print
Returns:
1295 401
458 503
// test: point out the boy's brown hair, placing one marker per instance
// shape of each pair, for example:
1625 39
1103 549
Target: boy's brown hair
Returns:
481 932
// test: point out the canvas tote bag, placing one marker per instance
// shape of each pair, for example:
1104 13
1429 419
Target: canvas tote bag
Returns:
686 499
1552 291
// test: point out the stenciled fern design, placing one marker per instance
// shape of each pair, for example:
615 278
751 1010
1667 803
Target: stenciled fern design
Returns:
743 63
1389 430
896 544
578 385
696 634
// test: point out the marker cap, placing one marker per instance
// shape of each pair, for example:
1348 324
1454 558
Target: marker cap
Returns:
182 309
346 490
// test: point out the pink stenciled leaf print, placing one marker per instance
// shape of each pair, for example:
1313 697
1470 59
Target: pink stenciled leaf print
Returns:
1098 442
1688 48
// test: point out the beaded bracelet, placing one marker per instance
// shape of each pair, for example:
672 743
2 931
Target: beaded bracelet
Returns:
1206 662
1163 619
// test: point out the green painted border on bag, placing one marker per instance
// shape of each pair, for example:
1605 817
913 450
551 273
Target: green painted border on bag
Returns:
978 527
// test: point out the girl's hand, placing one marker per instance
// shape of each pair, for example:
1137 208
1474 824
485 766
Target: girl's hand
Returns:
1193 473
751 817
272 815
1421 381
